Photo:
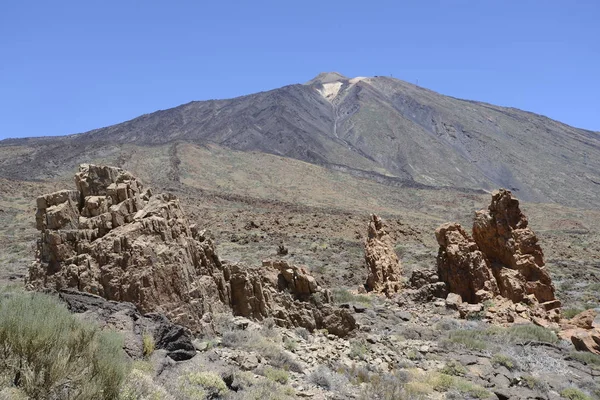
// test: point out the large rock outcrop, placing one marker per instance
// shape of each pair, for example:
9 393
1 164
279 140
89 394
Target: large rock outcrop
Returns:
463 266
112 238
384 268
502 234
503 258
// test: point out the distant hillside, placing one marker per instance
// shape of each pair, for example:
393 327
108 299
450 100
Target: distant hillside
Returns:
378 128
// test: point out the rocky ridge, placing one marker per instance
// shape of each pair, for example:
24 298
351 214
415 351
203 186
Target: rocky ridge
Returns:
112 238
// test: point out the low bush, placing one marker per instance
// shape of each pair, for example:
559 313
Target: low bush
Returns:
328 379
148 344
504 360
574 394
345 296
454 368
267 347
276 375
46 352
587 358
201 386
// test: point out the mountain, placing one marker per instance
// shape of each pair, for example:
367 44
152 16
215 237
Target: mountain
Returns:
374 127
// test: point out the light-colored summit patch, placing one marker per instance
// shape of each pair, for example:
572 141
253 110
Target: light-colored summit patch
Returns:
330 90
357 79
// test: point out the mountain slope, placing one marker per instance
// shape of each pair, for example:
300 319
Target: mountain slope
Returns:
380 128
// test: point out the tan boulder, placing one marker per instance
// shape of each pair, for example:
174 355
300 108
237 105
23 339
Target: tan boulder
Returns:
462 266
582 331
384 268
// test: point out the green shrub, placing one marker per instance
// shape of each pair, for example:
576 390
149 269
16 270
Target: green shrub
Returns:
148 344
478 339
574 394
140 386
471 339
587 358
534 383
48 353
358 350
454 368
569 313
276 375
201 385
345 296
504 360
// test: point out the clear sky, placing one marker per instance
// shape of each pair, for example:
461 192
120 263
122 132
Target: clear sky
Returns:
72 66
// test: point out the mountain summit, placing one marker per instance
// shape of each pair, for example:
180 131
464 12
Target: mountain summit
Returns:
377 128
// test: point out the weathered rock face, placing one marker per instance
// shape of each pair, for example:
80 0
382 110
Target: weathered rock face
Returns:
287 294
462 266
583 331
503 258
502 234
112 239
127 320
385 271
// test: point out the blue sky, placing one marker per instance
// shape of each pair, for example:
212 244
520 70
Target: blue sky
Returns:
72 66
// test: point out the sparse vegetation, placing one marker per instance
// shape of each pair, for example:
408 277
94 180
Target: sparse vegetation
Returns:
587 358
276 375
479 339
504 360
574 394
148 344
454 368
266 346
201 386
345 296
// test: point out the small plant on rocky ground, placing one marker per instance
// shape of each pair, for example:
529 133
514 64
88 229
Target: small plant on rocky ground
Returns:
201 386
574 394
471 339
290 344
302 332
535 384
385 387
504 360
276 375
148 344
355 374
140 386
587 358
266 346
328 379
478 339
358 350
454 368
345 296
446 383
569 313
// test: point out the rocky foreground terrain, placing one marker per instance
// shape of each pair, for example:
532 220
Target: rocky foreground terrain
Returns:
323 303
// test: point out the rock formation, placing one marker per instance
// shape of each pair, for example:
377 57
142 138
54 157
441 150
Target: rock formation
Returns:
503 258
115 240
502 234
463 266
384 274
